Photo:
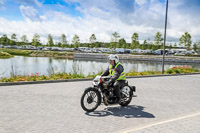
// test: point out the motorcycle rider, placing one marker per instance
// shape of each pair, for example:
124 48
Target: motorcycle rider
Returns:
116 71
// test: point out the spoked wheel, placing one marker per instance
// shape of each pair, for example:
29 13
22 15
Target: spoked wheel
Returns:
126 95
90 99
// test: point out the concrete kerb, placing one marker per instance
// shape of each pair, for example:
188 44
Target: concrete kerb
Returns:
87 79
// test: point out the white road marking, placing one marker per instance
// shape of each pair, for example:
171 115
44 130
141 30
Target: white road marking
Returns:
159 123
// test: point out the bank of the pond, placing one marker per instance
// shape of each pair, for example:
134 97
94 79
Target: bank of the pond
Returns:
5 55
102 56
55 54
38 53
155 58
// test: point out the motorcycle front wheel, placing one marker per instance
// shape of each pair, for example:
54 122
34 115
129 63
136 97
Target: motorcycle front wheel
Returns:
90 99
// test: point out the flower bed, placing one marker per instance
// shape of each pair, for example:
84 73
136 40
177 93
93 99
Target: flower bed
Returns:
181 69
37 77
61 76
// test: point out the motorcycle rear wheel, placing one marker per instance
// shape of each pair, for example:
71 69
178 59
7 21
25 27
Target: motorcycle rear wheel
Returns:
90 99
127 93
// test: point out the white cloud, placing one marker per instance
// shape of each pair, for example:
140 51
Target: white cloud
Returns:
38 3
182 19
1 2
61 23
29 2
140 2
29 13
103 18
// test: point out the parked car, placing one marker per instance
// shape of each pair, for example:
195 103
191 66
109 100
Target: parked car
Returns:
160 52
119 50
127 51
47 48
1 45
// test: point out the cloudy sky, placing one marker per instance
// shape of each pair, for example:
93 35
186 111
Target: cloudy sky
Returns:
99 17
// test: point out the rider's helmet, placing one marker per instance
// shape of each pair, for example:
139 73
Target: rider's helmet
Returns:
113 57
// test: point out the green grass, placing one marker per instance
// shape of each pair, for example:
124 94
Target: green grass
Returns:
16 51
4 55
35 53
57 54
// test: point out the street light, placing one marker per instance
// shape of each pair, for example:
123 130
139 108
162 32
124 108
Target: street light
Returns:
163 60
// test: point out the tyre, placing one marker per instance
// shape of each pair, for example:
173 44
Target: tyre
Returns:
90 99
127 94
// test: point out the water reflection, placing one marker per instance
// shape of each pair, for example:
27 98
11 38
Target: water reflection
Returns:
47 65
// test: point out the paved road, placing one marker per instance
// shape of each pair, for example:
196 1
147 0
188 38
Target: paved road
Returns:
169 104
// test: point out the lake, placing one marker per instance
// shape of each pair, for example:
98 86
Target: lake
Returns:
21 65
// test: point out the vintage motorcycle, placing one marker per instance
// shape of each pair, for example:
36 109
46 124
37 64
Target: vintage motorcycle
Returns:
101 92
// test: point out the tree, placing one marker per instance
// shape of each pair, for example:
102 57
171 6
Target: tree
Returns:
14 37
144 45
5 40
154 47
50 40
175 45
128 45
115 39
97 44
186 40
122 43
63 40
24 39
36 40
170 46
135 43
76 41
149 45
196 47
92 40
158 38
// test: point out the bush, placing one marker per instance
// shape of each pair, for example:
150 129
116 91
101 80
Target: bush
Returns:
169 71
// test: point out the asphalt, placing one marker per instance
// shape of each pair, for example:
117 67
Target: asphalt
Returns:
166 104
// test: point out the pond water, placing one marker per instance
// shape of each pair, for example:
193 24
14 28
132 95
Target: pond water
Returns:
21 65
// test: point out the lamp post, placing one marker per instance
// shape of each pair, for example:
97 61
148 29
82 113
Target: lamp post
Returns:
163 60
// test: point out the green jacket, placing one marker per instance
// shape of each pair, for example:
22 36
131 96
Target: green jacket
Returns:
113 70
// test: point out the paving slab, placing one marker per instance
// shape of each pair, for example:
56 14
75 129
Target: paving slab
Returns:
164 104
